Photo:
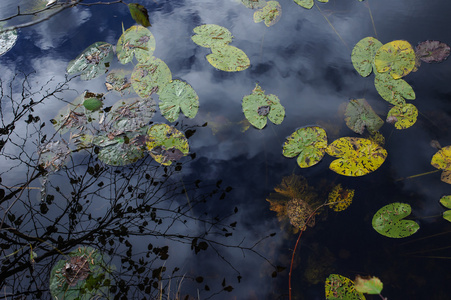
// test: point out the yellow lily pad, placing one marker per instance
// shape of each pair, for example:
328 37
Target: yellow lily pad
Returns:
403 116
396 57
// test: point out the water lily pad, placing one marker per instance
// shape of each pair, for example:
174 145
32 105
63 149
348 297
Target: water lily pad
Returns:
132 113
54 155
93 61
139 14
211 35
360 115
229 59
305 3
254 3
389 222
403 116
136 41
147 78
93 101
164 142
175 96
446 202
271 13
393 90
118 80
258 106
396 57
123 151
363 53
357 156
83 275
339 287
372 286
442 159
309 143
7 40
432 51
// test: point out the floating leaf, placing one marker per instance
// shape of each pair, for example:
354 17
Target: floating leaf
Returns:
163 141
118 80
147 78
397 58
175 96
307 142
139 14
357 156
7 40
340 198
446 202
404 116
388 221
360 115
257 106
271 13
131 114
432 51
229 59
305 3
363 55
298 212
93 101
54 155
442 160
254 3
84 275
124 151
393 90
341 288
92 62
372 286
211 35
137 41
446 176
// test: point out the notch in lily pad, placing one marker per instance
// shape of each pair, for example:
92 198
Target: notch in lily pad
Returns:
308 143
389 221
166 144
178 96
446 202
136 41
360 115
257 107
397 58
93 62
363 53
394 91
270 14
403 116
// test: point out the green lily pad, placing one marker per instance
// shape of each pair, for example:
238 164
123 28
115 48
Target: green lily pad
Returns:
403 116
339 287
139 14
254 3
357 156
271 13
211 35
123 151
305 3
229 59
309 143
93 61
136 41
83 275
258 106
147 78
389 222
396 57
446 202
54 155
131 114
93 101
360 115
175 96
166 144
372 286
119 80
394 91
7 40
363 53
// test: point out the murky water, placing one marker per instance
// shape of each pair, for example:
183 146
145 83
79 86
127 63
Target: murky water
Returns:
218 193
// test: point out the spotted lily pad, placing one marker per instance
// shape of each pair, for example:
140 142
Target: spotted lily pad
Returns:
442 160
258 106
7 40
357 156
271 13
254 3
175 96
396 57
372 286
446 202
389 222
305 3
211 35
432 51
132 113
403 116
309 143
363 53
147 78
229 59
360 115
395 91
54 155
136 41
92 62
118 80
339 287
126 150
165 143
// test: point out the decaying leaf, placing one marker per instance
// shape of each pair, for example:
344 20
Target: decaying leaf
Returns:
7 40
396 57
442 160
93 61
339 287
403 116
54 155
340 198
131 114
432 51
363 55
139 14
389 222
119 80
372 285
165 143
271 13
360 115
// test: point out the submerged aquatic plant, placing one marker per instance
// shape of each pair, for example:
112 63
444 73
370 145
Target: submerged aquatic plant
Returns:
340 198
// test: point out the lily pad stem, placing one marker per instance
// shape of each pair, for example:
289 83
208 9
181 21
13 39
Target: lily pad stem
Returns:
418 175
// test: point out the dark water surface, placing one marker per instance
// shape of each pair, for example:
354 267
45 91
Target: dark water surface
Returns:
221 188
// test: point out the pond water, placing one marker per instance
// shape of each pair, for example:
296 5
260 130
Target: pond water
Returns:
202 227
